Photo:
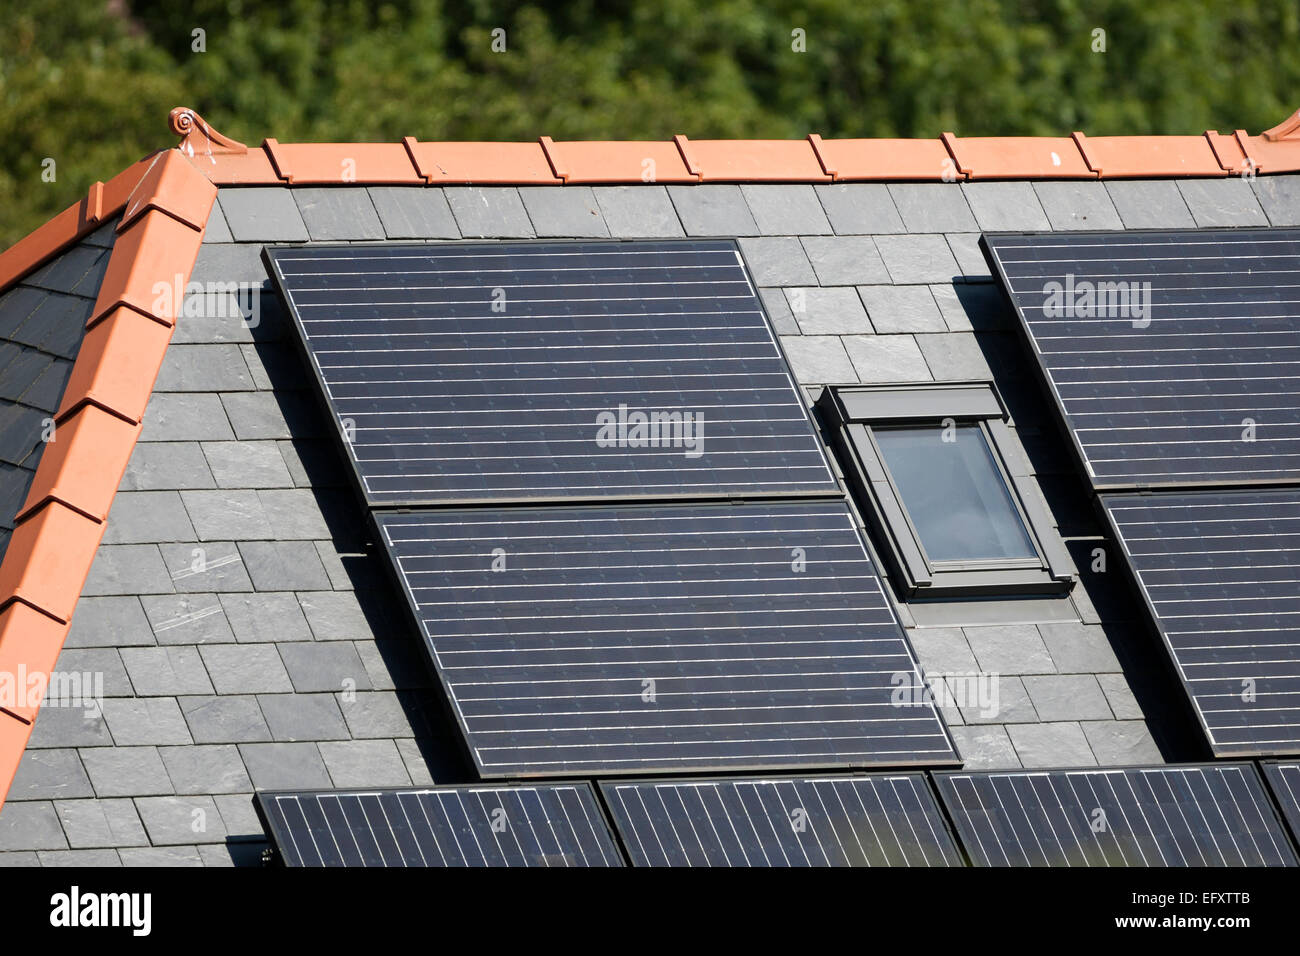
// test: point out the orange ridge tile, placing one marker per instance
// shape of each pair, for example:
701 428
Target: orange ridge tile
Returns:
846 160
222 160
481 163
342 164
84 463
116 367
1135 157
29 648
1228 152
13 742
52 550
147 271
752 160
1017 157
171 185
617 162
1275 150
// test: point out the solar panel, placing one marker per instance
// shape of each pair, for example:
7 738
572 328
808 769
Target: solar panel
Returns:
545 825
1210 815
487 372
1221 574
1284 780
1174 355
624 639
875 820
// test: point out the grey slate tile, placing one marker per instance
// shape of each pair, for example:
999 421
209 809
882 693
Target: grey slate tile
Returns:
860 209
265 618
333 213
203 368
942 650
563 212
227 514
293 514
491 213
917 259
81 265
165 466
284 566
1010 649
954 357
1122 743
106 235
375 714
126 771
365 763
1077 205
247 464
117 621
329 666
303 717
245 668
235 719
414 212
835 311
1011 706
335 615
166 671
777 261
932 207
79 858
234 853
179 417
1280 198
262 214
162 856
416 766
20 858
104 667
1222 202
286 766
217 229
638 212
176 821
145 721
142 517
972 265
69 727
1004 207
49 775
845 260
57 325
274 365
312 463
188 619
100 823
713 210
971 306
1120 697
785 210
232 262
887 358
818 359
908 308
1051 745
216 317
238 814
1079 648
1072 697
267 415
30 826
210 566
778 310
1149 204
348 568
394 663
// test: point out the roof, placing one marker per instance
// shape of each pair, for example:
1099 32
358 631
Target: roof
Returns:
234 613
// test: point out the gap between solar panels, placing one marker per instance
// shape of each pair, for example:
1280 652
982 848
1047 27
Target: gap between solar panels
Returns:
600 491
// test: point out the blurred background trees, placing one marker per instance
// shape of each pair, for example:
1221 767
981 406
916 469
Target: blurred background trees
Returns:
88 83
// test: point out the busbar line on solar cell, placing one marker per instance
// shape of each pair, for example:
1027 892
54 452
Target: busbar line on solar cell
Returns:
1284 780
635 639
874 820
546 825
484 372
1219 571
1172 355
1211 815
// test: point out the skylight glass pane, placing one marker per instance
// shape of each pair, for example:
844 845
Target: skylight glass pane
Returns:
955 493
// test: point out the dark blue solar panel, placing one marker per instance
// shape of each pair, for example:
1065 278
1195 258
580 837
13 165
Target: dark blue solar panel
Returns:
1284 780
1174 356
668 638
478 372
875 820
546 825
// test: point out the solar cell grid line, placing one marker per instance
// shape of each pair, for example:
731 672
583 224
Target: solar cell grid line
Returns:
1174 816
464 373
822 821
1173 357
1283 780
560 825
663 638
1220 573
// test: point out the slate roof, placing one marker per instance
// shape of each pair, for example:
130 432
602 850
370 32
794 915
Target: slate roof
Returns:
245 632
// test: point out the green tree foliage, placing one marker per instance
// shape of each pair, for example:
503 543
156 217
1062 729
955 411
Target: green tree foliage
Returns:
88 83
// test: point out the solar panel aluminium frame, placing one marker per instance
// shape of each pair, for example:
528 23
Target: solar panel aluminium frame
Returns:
339 439
1045 380
1285 805
447 698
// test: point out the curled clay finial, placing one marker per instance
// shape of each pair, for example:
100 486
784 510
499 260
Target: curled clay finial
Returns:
188 125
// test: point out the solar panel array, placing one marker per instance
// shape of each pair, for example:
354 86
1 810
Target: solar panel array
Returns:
1213 815
1175 356
1221 572
1284 780
873 820
558 825
473 372
667 638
